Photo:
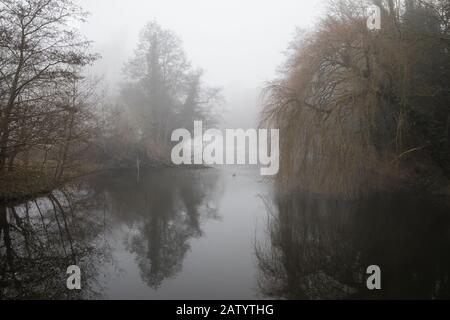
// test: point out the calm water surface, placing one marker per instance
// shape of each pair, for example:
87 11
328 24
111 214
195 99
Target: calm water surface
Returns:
184 234
220 234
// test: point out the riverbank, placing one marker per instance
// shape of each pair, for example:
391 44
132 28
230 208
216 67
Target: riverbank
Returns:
23 184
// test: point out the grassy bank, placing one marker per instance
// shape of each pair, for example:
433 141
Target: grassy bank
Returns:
22 184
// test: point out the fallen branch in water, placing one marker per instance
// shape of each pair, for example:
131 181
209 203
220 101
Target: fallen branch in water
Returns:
411 151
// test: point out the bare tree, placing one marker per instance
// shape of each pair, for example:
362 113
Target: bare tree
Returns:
40 52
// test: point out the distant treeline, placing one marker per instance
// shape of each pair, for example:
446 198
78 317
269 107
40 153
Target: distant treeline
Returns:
359 108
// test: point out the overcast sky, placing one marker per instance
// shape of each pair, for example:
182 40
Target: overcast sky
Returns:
239 43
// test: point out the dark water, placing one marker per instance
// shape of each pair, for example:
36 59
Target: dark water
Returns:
221 234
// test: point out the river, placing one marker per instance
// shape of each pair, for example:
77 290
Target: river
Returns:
220 234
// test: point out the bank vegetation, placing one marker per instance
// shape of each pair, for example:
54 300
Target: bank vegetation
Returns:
360 109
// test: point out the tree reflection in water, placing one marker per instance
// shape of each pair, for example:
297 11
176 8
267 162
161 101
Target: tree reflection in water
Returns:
164 210
320 248
40 239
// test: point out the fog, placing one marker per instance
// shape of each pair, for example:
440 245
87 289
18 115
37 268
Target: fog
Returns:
136 186
239 44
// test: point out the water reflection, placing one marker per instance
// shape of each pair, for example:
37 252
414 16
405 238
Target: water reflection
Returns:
319 248
164 210
190 234
39 240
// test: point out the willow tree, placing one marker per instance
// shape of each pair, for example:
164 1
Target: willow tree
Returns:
350 102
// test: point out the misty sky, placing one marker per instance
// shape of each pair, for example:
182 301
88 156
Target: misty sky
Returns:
239 43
